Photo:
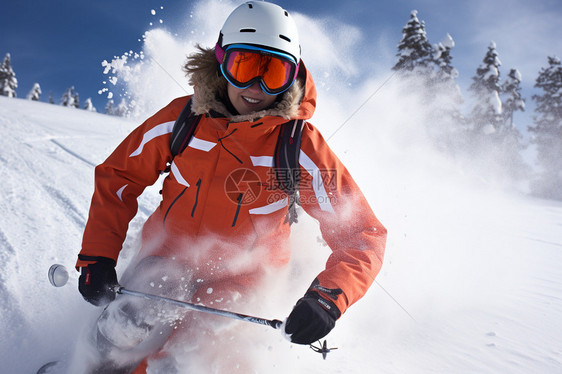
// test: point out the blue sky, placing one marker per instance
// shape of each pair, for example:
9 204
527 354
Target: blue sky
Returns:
62 43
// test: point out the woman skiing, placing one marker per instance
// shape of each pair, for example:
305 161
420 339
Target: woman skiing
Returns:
224 219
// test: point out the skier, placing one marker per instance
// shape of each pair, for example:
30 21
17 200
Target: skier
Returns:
222 223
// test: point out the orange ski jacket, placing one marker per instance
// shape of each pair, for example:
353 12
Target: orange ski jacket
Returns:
221 212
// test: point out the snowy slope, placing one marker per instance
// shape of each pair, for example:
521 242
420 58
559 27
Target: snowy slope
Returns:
472 280
47 160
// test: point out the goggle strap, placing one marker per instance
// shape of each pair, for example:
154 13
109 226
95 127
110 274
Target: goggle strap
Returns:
219 53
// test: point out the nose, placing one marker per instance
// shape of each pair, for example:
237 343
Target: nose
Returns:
255 87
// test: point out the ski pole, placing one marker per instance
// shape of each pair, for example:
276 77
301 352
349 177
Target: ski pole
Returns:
275 323
58 276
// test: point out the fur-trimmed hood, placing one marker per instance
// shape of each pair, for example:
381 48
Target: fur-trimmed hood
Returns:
209 86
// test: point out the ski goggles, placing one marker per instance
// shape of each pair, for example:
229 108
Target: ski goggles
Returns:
243 65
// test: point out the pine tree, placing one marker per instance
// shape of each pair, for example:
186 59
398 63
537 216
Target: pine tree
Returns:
68 98
8 81
486 115
494 148
426 73
508 140
89 106
442 57
109 107
35 93
51 100
547 129
414 50
122 109
513 102
444 99
76 101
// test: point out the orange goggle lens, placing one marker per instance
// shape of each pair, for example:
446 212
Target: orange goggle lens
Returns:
243 67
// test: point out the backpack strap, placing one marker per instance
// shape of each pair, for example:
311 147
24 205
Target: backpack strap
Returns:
286 163
183 130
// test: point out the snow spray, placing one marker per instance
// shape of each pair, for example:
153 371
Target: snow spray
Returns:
58 276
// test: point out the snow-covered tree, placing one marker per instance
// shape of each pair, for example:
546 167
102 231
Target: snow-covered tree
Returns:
69 98
89 106
35 92
444 99
486 114
414 50
8 81
76 101
109 107
122 109
427 76
514 101
547 129
51 100
442 57
508 140
494 144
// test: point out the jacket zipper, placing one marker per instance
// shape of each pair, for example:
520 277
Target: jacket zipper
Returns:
226 149
196 197
171 205
237 209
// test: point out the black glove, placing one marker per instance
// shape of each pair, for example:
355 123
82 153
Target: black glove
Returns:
97 281
312 318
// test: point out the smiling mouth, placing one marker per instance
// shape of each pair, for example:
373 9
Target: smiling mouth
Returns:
251 100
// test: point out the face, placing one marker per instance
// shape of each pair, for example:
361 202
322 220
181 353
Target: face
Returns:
251 99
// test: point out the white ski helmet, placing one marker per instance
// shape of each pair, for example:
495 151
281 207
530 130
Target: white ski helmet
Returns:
262 24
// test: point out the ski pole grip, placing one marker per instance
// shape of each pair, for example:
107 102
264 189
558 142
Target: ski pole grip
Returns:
118 289
276 324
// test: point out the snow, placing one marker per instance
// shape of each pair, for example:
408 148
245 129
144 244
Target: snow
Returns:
517 75
477 271
495 102
448 41
491 73
488 129
471 281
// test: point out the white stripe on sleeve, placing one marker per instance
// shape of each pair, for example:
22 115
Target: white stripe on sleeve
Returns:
317 182
162 129
120 192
